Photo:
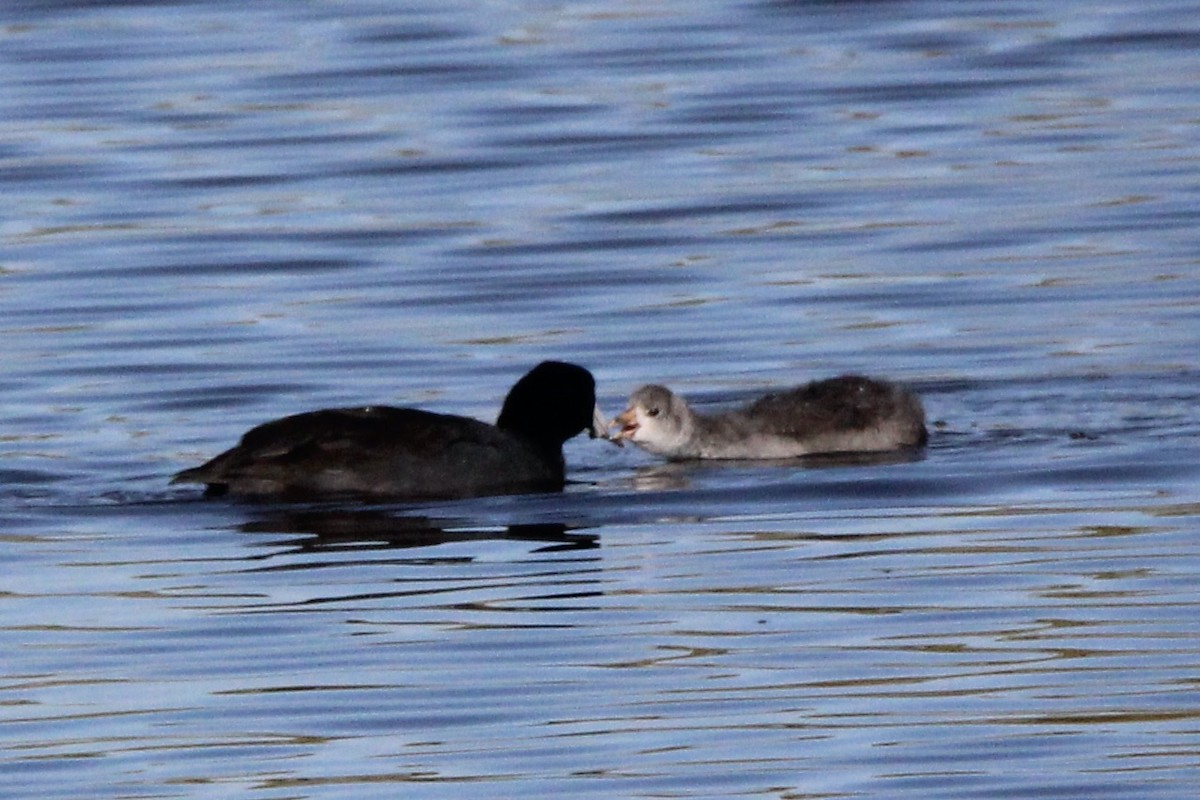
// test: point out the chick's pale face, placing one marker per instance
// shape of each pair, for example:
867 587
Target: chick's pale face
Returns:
652 420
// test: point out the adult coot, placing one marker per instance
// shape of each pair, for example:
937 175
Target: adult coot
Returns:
407 453
849 414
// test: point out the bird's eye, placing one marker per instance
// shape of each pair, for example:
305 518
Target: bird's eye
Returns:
652 412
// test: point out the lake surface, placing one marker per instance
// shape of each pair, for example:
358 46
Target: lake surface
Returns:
220 213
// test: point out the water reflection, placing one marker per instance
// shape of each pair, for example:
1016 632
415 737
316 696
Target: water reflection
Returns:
349 529
674 475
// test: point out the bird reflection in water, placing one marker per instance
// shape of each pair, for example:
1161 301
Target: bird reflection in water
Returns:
676 475
361 529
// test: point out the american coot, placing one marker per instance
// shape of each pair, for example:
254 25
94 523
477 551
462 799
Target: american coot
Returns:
849 414
407 453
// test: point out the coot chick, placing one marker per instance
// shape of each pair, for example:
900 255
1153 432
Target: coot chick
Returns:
383 451
848 414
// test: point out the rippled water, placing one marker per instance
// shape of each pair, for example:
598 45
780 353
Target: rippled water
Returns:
220 213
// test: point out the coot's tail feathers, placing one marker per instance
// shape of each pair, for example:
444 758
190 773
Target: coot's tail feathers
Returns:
193 475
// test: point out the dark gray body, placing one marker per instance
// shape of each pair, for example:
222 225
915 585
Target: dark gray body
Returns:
380 450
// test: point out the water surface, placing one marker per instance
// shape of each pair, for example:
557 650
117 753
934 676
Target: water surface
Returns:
221 213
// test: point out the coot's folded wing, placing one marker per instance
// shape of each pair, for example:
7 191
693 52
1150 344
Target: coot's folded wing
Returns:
847 403
346 449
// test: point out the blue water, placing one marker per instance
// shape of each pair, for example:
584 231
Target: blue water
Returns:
220 213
